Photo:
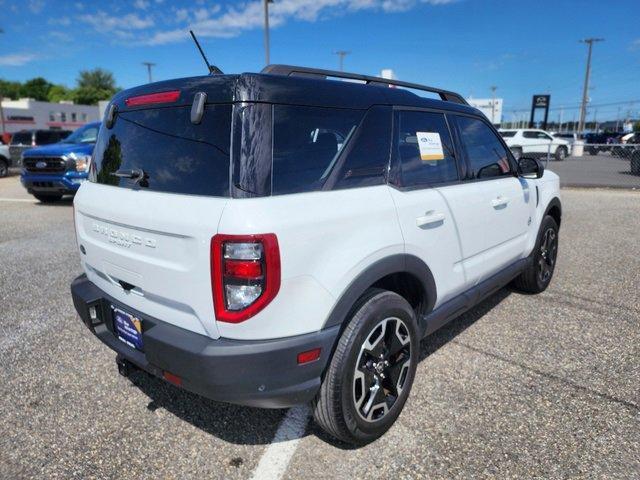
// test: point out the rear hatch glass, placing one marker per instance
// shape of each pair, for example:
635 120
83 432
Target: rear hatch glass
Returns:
175 155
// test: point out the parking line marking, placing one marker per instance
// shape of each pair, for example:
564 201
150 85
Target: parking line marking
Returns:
28 200
275 460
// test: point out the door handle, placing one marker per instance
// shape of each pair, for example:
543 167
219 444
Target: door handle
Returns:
499 201
430 218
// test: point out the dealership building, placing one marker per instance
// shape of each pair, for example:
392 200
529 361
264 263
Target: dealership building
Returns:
29 114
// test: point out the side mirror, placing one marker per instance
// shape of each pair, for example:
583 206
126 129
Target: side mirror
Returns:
530 167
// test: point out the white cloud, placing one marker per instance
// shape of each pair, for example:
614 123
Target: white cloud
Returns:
141 4
104 23
16 59
36 6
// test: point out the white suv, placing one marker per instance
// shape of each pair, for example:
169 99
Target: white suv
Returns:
279 238
535 143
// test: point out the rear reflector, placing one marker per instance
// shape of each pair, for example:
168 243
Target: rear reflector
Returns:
161 97
309 356
171 378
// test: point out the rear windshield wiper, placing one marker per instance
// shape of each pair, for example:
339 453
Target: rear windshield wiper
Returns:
137 174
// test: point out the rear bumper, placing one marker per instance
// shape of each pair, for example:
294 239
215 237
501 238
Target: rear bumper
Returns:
261 373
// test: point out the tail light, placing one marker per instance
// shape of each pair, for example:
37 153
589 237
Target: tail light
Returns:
160 97
245 274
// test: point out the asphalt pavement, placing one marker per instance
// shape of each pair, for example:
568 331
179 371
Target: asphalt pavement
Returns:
603 170
522 386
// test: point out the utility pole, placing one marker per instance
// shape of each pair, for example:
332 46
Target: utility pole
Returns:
585 91
341 54
149 65
493 103
265 4
560 121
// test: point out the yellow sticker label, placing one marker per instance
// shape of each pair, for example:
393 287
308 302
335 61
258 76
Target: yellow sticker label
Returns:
430 146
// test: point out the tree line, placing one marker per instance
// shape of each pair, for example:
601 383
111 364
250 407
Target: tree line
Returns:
91 87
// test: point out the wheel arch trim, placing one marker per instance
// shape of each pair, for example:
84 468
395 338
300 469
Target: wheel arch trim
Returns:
398 263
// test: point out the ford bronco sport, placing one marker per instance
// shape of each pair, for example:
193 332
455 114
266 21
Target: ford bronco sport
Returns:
286 237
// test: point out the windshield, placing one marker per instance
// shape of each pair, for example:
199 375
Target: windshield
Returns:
86 134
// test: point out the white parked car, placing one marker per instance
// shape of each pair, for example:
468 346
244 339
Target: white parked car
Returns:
273 239
4 160
531 142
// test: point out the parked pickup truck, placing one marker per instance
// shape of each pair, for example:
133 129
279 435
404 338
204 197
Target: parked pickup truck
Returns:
51 171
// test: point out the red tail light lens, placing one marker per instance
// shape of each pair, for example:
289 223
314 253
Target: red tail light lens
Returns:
161 97
245 274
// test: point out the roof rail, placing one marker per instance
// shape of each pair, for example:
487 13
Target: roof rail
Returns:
290 70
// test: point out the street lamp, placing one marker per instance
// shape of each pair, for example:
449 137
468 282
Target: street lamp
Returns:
266 3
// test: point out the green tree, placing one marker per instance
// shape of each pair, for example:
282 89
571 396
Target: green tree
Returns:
94 85
36 88
10 89
58 93
636 127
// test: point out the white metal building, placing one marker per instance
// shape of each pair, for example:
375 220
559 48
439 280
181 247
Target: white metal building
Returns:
28 114
492 108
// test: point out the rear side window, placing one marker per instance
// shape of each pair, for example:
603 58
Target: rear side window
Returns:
175 155
45 138
487 157
21 138
306 145
425 149
508 134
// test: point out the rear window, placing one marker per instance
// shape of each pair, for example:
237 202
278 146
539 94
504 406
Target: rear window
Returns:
47 137
21 138
306 144
175 155
507 134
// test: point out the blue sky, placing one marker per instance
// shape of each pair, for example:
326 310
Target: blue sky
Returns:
522 47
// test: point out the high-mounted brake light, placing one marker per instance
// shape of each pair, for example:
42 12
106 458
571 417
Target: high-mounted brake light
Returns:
161 97
245 274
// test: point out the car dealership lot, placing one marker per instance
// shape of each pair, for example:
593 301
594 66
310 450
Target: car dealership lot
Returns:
521 386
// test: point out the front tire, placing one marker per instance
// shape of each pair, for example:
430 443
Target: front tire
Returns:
371 372
4 168
536 277
561 153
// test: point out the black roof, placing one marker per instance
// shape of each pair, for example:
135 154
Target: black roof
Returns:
309 89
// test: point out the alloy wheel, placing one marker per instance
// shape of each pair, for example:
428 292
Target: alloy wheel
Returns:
547 255
381 369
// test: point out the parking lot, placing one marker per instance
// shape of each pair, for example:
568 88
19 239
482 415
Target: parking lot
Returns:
520 387
603 170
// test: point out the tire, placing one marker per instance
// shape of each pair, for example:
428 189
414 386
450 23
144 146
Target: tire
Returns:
635 163
345 407
592 151
48 198
517 152
537 276
561 153
4 168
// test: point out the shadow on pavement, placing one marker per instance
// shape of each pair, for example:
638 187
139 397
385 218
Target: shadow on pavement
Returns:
254 426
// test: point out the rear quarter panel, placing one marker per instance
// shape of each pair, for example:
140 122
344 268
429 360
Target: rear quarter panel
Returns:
326 240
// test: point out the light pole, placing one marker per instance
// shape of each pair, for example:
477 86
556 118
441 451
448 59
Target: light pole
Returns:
266 3
149 65
585 91
341 54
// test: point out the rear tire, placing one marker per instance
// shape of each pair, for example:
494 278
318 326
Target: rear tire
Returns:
4 168
537 276
561 153
48 198
371 372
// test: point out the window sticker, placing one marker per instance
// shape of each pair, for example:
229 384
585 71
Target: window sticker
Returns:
430 146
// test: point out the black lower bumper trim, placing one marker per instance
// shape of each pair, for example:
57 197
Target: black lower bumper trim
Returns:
260 373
